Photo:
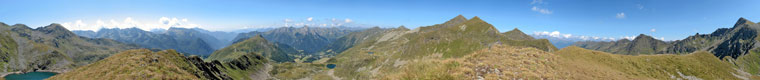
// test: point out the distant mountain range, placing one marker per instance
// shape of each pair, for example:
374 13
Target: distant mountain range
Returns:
724 42
184 40
561 41
305 39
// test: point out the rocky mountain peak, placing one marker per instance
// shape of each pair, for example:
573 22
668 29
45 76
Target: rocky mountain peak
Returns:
57 29
516 30
643 36
456 20
742 20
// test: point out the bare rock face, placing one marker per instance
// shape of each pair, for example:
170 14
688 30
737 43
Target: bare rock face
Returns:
210 70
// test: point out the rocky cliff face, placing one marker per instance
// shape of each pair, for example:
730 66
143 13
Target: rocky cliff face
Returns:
741 39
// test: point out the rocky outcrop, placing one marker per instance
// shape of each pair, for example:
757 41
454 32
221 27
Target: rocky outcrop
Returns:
209 70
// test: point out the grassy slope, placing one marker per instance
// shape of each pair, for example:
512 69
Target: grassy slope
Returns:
399 45
7 50
588 64
496 62
749 62
135 64
256 44
507 62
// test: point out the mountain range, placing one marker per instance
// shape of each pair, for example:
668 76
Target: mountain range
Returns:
724 42
183 40
459 48
50 48
305 39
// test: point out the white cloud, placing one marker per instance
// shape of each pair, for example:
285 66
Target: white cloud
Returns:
653 30
567 35
620 15
537 6
639 6
628 37
128 22
541 10
287 20
557 34
315 22
348 20
100 23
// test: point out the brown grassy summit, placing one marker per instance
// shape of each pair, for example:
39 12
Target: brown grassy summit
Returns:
135 64
516 34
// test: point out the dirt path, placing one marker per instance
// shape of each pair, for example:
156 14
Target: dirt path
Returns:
331 73
262 74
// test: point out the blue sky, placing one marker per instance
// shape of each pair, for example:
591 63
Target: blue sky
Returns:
669 19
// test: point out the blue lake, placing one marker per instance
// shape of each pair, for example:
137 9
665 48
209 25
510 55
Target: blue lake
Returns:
30 76
331 66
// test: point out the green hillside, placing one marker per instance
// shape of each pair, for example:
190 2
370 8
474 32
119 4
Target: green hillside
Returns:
256 44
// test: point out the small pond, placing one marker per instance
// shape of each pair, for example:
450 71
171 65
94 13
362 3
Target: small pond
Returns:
30 76
331 66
